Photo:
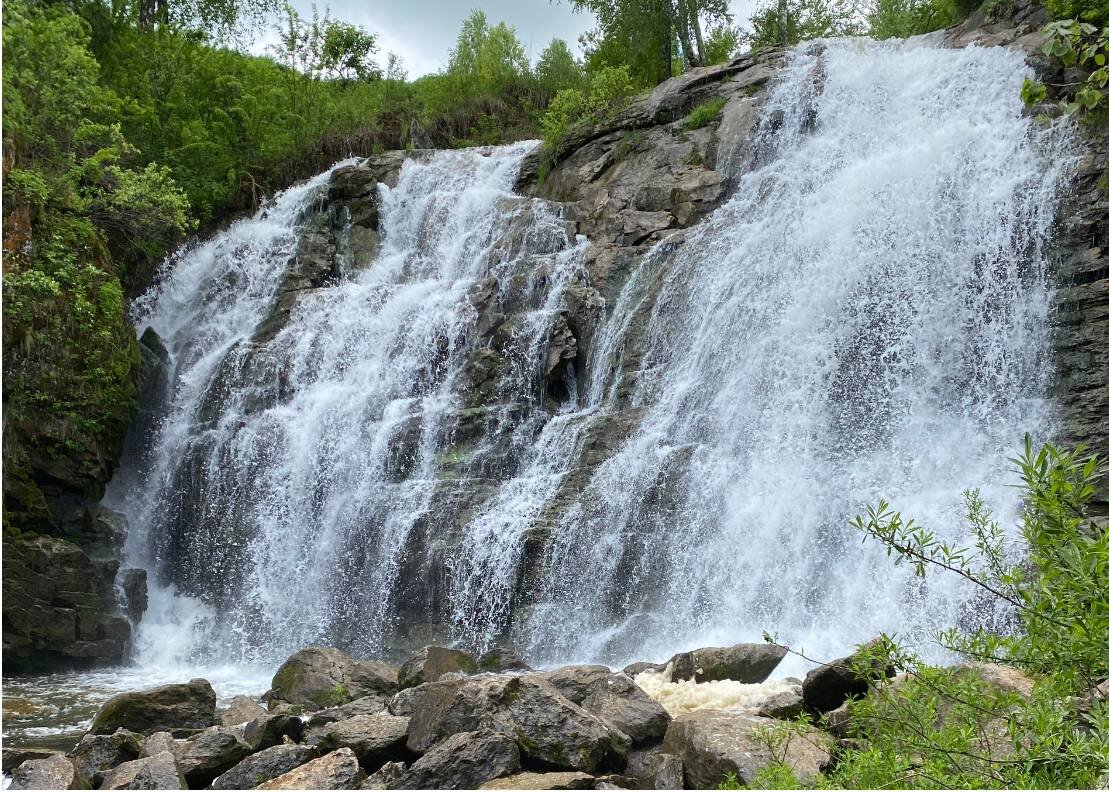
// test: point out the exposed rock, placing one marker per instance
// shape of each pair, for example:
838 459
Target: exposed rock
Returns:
319 677
837 722
337 770
564 780
463 761
159 771
748 663
1002 677
52 772
98 752
829 685
133 584
241 710
431 662
385 777
655 769
367 705
498 661
615 699
211 753
171 708
548 727
782 706
265 765
373 738
161 741
14 757
714 743
635 669
270 729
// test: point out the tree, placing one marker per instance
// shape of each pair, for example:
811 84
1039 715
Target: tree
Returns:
722 43
557 68
347 52
784 23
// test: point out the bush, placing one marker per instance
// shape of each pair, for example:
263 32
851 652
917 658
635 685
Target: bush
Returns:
705 114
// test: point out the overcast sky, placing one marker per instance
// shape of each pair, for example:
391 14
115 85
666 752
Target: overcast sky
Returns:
423 31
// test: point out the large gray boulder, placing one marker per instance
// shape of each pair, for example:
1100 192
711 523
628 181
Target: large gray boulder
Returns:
269 730
655 769
497 661
211 753
375 739
367 705
265 765
159 771
746 662
785 705
431 663
827 686
615 699
52 772
96 753
385 777
318 677
338 770
243 709
173 708
463 761
14 757
549 728
714 743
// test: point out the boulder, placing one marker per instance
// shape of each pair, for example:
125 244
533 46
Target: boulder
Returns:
713 743
563 780
319 677
172 708
829 685
837 722
1004 678
747 662
211 753
385 777
160 741
337 770
241 710
549 728
655 769
264 765
51 772
271 729
375 739
635 669
132 583
159 771
615 699
786 705
14 757
463 761
96 753
367 705
497 661
431 662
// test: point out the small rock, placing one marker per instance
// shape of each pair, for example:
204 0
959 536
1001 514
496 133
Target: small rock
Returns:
51 772
337 770
271 729
159 771
829 685
169 708
98 752
566 780
241 710
749 663
160 741
463 761
497 661
264 765
14 757
373 738
837 722
431 662
319 677
211 753
635 669
786 705
367 705
387 776
655 769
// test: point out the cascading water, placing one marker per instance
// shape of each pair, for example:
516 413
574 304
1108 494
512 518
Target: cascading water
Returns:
865 317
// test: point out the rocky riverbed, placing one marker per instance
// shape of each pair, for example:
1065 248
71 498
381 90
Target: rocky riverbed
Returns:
446 719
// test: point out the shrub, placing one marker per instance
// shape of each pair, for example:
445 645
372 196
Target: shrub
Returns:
705 114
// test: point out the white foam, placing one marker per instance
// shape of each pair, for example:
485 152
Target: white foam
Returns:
688 695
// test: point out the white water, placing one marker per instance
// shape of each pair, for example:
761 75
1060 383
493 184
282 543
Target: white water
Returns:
866 317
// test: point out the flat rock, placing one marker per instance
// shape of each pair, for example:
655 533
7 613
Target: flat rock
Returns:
463 761
373 738
431 663
367 705
714 743
51 772
159 771
318 677
337 770
241 710
565 780
265 765
749 663
172 708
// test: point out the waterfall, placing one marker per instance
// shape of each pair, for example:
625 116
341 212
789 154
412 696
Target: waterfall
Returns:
866 316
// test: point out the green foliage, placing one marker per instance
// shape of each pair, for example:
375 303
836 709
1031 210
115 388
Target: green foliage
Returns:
608 92
557 69
788 22
1094 12
705 114
904 18
347 52
721 43
1082 46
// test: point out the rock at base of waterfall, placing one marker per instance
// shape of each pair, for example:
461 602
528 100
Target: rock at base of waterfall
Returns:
655 769
210 754
52 772
749 663
385 777
318 677
96 753
159 771
615 699
337 770
563 780
367 705
430 663
174 708
786 705
241 710
498 661
713 744
14 757
549 728
160 741
270 729
829 685
635 669
463 761
265 765
373 738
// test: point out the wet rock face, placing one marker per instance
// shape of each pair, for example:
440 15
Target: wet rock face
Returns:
747 663
173 708
320 677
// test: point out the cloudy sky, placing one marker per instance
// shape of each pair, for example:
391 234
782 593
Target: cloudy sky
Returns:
423 31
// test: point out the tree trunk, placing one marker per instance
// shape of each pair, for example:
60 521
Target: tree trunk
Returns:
695 18
681 22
